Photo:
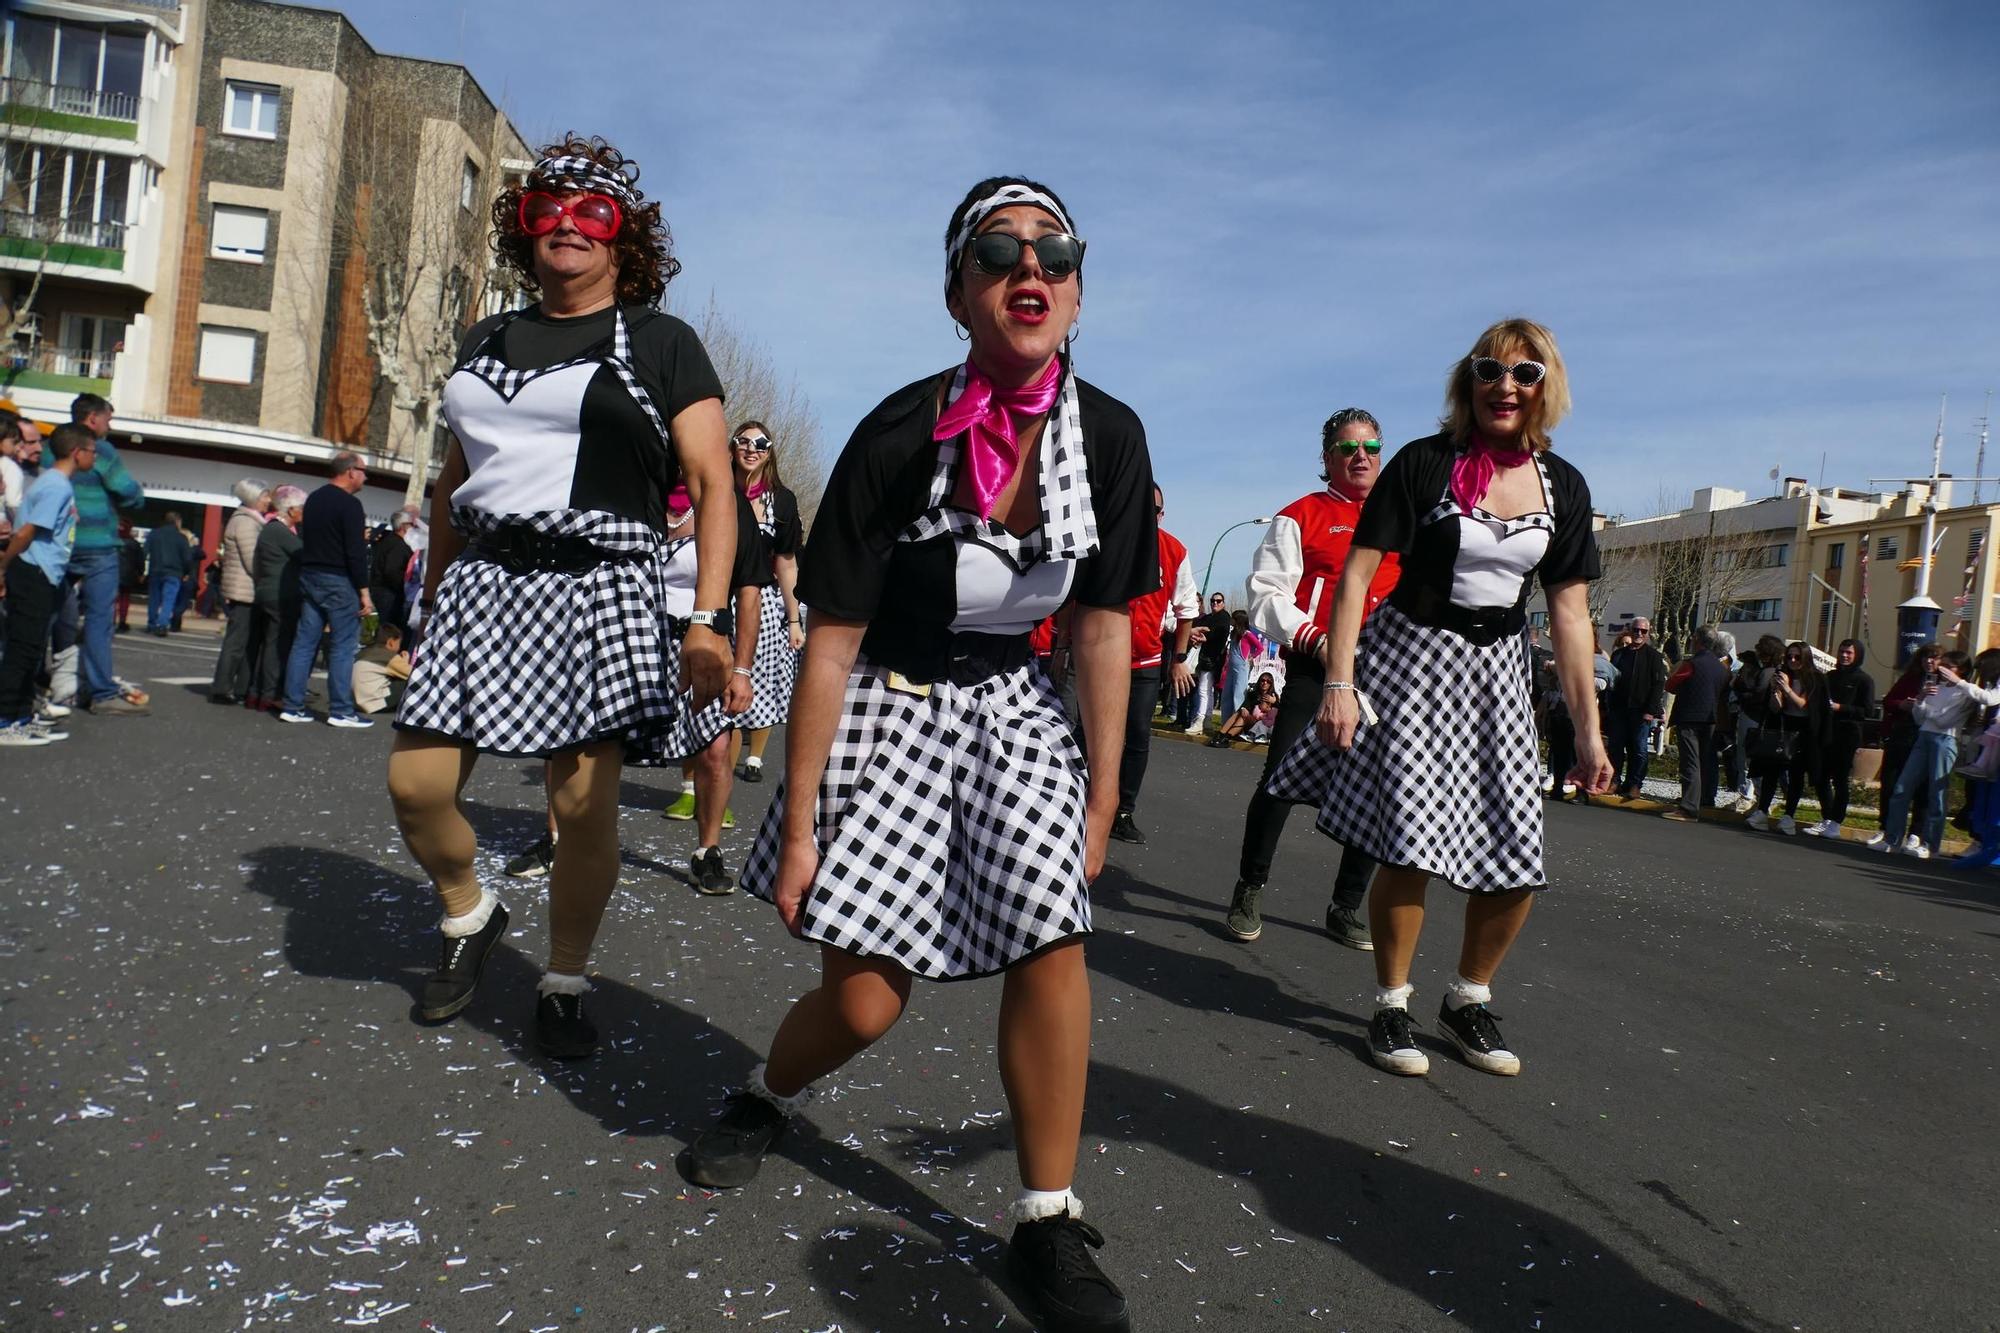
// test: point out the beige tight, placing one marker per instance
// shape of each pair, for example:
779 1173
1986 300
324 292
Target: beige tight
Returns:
427 774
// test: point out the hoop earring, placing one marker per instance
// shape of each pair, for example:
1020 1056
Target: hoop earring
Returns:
962 333
1075 330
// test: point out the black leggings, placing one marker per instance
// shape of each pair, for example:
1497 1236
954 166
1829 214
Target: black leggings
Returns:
1835 765
1264 824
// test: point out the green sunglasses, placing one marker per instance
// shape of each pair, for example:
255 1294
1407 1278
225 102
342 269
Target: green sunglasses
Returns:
1347 447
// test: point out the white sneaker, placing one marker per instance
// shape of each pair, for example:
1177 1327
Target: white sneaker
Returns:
1921 852
1196 730
1758 820
1911 842
50 708
1879 843
1788 826
1826 828
21 736
289 716
352 723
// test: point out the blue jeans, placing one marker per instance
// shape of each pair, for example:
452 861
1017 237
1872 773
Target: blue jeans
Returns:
162 591
1630 747
1931 759
95 572
328 601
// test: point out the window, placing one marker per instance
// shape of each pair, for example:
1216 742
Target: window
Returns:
239 234
1753 557
228 356
1887 548
1974 546
1759 611
468 186
250 109
1836 556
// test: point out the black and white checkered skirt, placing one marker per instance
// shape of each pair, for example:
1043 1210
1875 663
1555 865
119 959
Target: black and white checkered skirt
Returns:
1447 780
776 668
538 662
950 827
691 732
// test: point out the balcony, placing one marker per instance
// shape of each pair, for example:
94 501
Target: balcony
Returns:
57 369
99 245
64 109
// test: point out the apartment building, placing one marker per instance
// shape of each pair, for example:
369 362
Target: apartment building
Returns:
205 203
1723 559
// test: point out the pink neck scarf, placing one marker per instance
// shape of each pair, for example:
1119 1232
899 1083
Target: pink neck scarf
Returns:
679 502
988 413
1472 473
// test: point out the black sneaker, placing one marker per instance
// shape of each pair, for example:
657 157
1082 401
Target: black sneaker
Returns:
1475 1030
710 875
1244 921
1051 1260
1392 1047
561 1029
535 860
460 961
727 1154
1123 829
1347 927
749 772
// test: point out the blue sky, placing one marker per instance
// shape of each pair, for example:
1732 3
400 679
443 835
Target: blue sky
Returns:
1763 232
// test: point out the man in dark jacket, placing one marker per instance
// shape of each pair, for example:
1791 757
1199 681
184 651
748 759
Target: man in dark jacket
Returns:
1697 685
333 586
1635 706
1214 639
388 562
169 562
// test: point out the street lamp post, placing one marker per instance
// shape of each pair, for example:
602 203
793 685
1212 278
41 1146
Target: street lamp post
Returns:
1248 522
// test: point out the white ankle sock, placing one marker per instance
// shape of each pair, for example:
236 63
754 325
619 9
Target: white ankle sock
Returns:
687 786
472 922
1458 992
562 983
1034 1205
1394 997
754 761
791 1105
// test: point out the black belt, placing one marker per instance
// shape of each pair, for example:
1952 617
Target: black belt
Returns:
1481 625
964 659
522 550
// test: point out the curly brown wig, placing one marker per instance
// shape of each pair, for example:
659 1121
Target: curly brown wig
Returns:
643 249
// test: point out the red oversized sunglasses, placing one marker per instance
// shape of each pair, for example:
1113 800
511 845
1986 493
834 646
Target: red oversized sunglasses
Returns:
596 216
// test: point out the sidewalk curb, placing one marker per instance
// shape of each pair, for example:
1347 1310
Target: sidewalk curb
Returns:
1646 805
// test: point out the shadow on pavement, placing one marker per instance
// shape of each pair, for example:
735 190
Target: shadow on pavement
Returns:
351 919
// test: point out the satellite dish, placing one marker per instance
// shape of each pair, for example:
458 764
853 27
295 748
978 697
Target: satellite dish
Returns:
1774 474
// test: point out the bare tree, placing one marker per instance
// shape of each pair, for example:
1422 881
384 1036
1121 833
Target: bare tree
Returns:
756 388
408 229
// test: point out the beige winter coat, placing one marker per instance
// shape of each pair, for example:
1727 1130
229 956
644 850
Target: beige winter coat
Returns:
239 555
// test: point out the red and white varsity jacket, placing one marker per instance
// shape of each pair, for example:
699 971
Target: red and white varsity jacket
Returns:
1174 601
1298 564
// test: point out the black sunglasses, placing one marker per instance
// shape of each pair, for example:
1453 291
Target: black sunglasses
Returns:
1347 447
1527 374
995 253
756 444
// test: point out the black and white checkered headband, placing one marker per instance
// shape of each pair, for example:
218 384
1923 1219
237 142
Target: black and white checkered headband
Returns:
1005 197
586 173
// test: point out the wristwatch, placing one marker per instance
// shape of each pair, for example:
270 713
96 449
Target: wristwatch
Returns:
723 622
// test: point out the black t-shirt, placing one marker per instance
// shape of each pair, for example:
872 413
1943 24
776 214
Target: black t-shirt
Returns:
855 569
622 466
1216 646
1410 487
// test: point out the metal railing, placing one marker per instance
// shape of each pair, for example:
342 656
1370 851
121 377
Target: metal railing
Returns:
62 231
60 361
67 99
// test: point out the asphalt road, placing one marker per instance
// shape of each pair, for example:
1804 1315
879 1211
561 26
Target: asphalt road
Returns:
1758 1091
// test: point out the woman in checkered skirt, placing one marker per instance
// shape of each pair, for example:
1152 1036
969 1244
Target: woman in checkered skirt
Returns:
544 634
1423 755
782 627
937 817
